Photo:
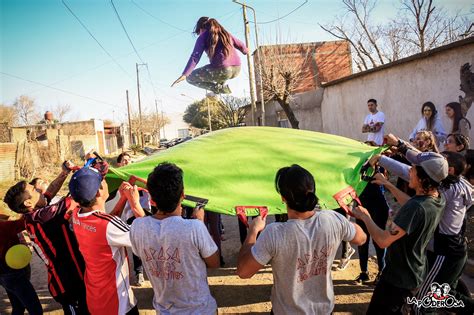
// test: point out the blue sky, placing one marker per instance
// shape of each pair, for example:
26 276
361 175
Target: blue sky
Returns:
43 44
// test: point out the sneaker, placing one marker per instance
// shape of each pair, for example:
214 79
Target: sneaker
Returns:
363 278
222 262
211 94
139 280
346 260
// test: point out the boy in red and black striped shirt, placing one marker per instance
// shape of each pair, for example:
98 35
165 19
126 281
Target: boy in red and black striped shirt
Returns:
54 241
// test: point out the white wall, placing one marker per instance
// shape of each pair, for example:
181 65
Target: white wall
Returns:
176 122
400 91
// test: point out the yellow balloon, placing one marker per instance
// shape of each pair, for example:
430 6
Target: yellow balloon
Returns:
18 256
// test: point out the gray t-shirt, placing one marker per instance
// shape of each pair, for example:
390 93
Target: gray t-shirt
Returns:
301 253
172 251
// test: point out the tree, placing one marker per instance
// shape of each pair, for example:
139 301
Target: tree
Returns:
8 115
419 26
25 109
230 111
195 115
151 123
60 111
467 86
282 76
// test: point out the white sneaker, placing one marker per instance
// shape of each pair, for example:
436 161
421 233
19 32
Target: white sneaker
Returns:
346 260
211 94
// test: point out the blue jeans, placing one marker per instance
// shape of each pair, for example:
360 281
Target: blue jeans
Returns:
21 293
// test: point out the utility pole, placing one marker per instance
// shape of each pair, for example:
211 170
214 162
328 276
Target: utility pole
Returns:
163 120
129 121
157 118
208 112
140 107
259 57
251 74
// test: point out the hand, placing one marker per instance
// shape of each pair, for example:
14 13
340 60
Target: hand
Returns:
374 160
131 193
181 78
198 213
391 139
67 167
379 179
132 179
258 224
360 212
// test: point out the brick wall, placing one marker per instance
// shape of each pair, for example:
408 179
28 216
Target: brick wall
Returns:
7 161
5 135
319 62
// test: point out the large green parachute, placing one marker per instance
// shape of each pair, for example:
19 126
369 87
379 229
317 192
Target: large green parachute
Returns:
237 166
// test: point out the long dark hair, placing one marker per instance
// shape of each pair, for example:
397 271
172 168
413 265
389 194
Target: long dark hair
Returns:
456 107
429 122
217 33
297 186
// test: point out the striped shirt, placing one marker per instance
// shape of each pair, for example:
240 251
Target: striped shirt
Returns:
102 240
56 244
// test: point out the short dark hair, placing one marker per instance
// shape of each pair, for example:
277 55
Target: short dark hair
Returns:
427 183
372 100
165 185
16 196
297 186
121 156
458 162
86 203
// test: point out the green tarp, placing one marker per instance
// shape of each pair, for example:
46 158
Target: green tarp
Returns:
237 166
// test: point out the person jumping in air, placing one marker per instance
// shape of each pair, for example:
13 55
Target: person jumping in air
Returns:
220 47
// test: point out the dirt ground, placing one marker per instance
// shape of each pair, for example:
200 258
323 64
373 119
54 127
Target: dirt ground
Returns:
233 295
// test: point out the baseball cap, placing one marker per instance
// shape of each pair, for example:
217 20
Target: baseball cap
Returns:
434 164
84 184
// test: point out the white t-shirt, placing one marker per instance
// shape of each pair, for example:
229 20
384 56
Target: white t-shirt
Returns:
301 253
371 120
172 252
127 212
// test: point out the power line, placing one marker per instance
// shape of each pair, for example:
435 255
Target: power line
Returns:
125 30
284 16
58 89
96 40
158 19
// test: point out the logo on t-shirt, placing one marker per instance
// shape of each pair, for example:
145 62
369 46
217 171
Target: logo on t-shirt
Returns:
164 263
311 265
438 297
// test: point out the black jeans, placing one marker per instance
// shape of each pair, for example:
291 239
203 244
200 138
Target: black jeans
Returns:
21 293
374 201
388 299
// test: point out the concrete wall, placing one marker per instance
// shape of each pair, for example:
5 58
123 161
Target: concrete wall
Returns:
306 106
400 90
176 123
